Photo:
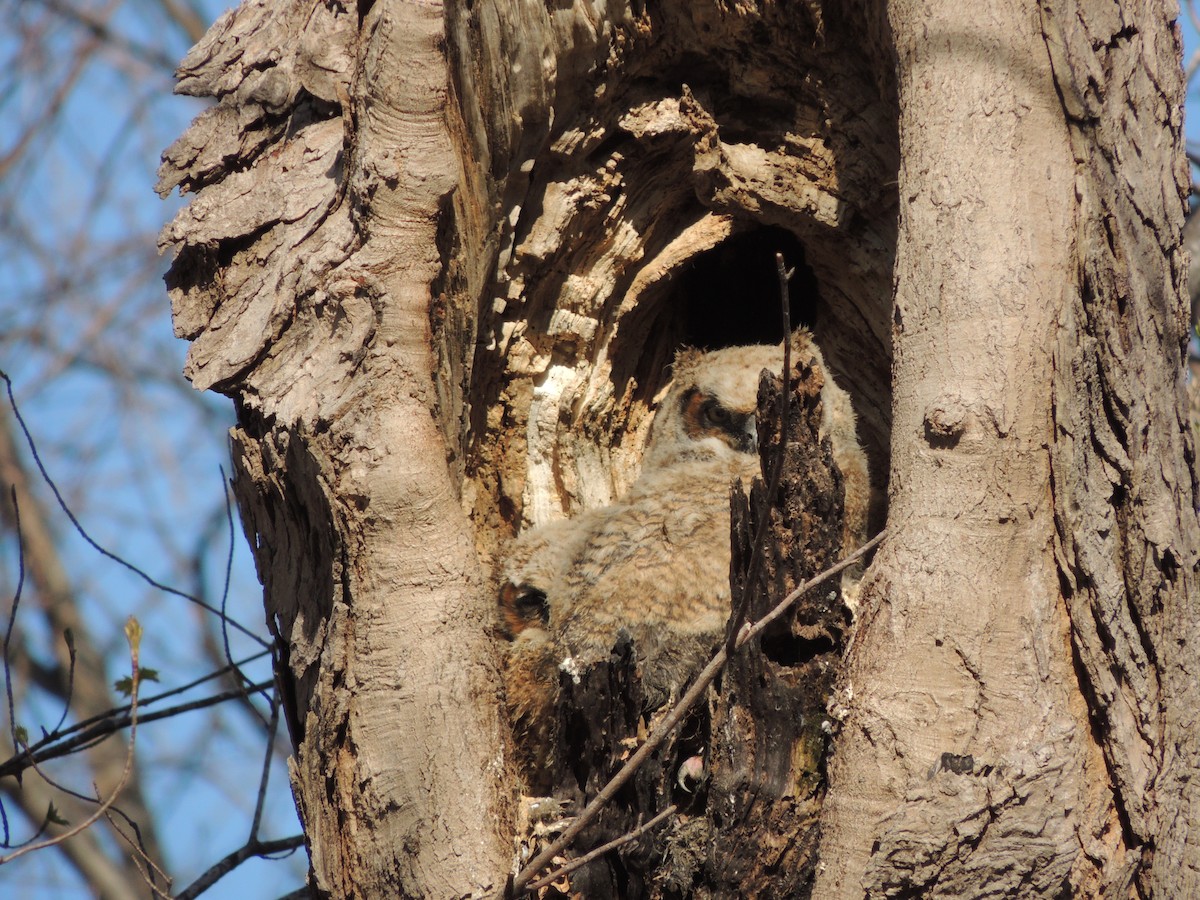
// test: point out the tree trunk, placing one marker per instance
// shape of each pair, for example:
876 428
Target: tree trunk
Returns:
1031 612
307 284
1125 499
441 256
961 651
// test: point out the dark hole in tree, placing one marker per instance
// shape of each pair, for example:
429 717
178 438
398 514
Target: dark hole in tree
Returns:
724 297
788 651
730 294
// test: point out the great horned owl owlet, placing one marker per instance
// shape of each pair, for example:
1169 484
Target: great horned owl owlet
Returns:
656 563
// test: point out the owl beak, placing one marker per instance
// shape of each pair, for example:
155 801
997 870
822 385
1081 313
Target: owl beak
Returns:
748 440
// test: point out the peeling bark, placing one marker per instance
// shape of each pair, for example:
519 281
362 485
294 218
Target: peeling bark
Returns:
319 326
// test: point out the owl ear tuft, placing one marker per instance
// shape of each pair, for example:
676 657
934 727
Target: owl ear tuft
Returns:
686 360
803 347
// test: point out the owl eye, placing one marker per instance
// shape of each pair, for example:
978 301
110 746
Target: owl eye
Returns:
531 605
523 606
717 415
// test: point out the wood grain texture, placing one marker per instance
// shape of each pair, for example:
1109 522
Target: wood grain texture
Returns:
319 326
441 256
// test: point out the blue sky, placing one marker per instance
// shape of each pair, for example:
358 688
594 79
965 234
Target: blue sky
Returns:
85 334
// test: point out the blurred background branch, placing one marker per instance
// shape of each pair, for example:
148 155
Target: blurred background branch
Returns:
136 453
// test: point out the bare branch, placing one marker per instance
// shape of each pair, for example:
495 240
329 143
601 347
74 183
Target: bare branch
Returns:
55 747
602 849
82 56
249 850
742 601
85 852
108 554
133 632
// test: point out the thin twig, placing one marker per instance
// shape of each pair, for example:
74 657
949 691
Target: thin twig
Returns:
12 620
247 851
243 680
58 735
101 30
1191 9
675 716
261 801
83 533
105 727
139 857
72 658
133 633
601 850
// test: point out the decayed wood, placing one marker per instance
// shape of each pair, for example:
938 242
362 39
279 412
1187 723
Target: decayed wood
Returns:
441 256
770 722
746 825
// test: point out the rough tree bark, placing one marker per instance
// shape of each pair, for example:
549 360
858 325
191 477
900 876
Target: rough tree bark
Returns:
1035 608
305 277
440 255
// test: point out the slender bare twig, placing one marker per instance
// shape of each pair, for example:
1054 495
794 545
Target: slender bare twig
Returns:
53 105
260 802
247 851
133 633
243 679
675 716
99 28
143 863
91 542
86 852
72 658
1190 6
602 849
105 727
186 16
116 711
12 618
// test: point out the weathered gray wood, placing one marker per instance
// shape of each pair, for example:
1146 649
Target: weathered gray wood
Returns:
319 326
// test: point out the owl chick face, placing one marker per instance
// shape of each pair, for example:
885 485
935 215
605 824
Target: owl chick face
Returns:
534 561
708 414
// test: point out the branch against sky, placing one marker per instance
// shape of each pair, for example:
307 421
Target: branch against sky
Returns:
85 333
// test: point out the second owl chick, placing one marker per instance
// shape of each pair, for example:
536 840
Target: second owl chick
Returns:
655 565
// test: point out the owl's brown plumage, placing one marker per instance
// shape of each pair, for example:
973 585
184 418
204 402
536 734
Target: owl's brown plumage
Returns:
655 564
